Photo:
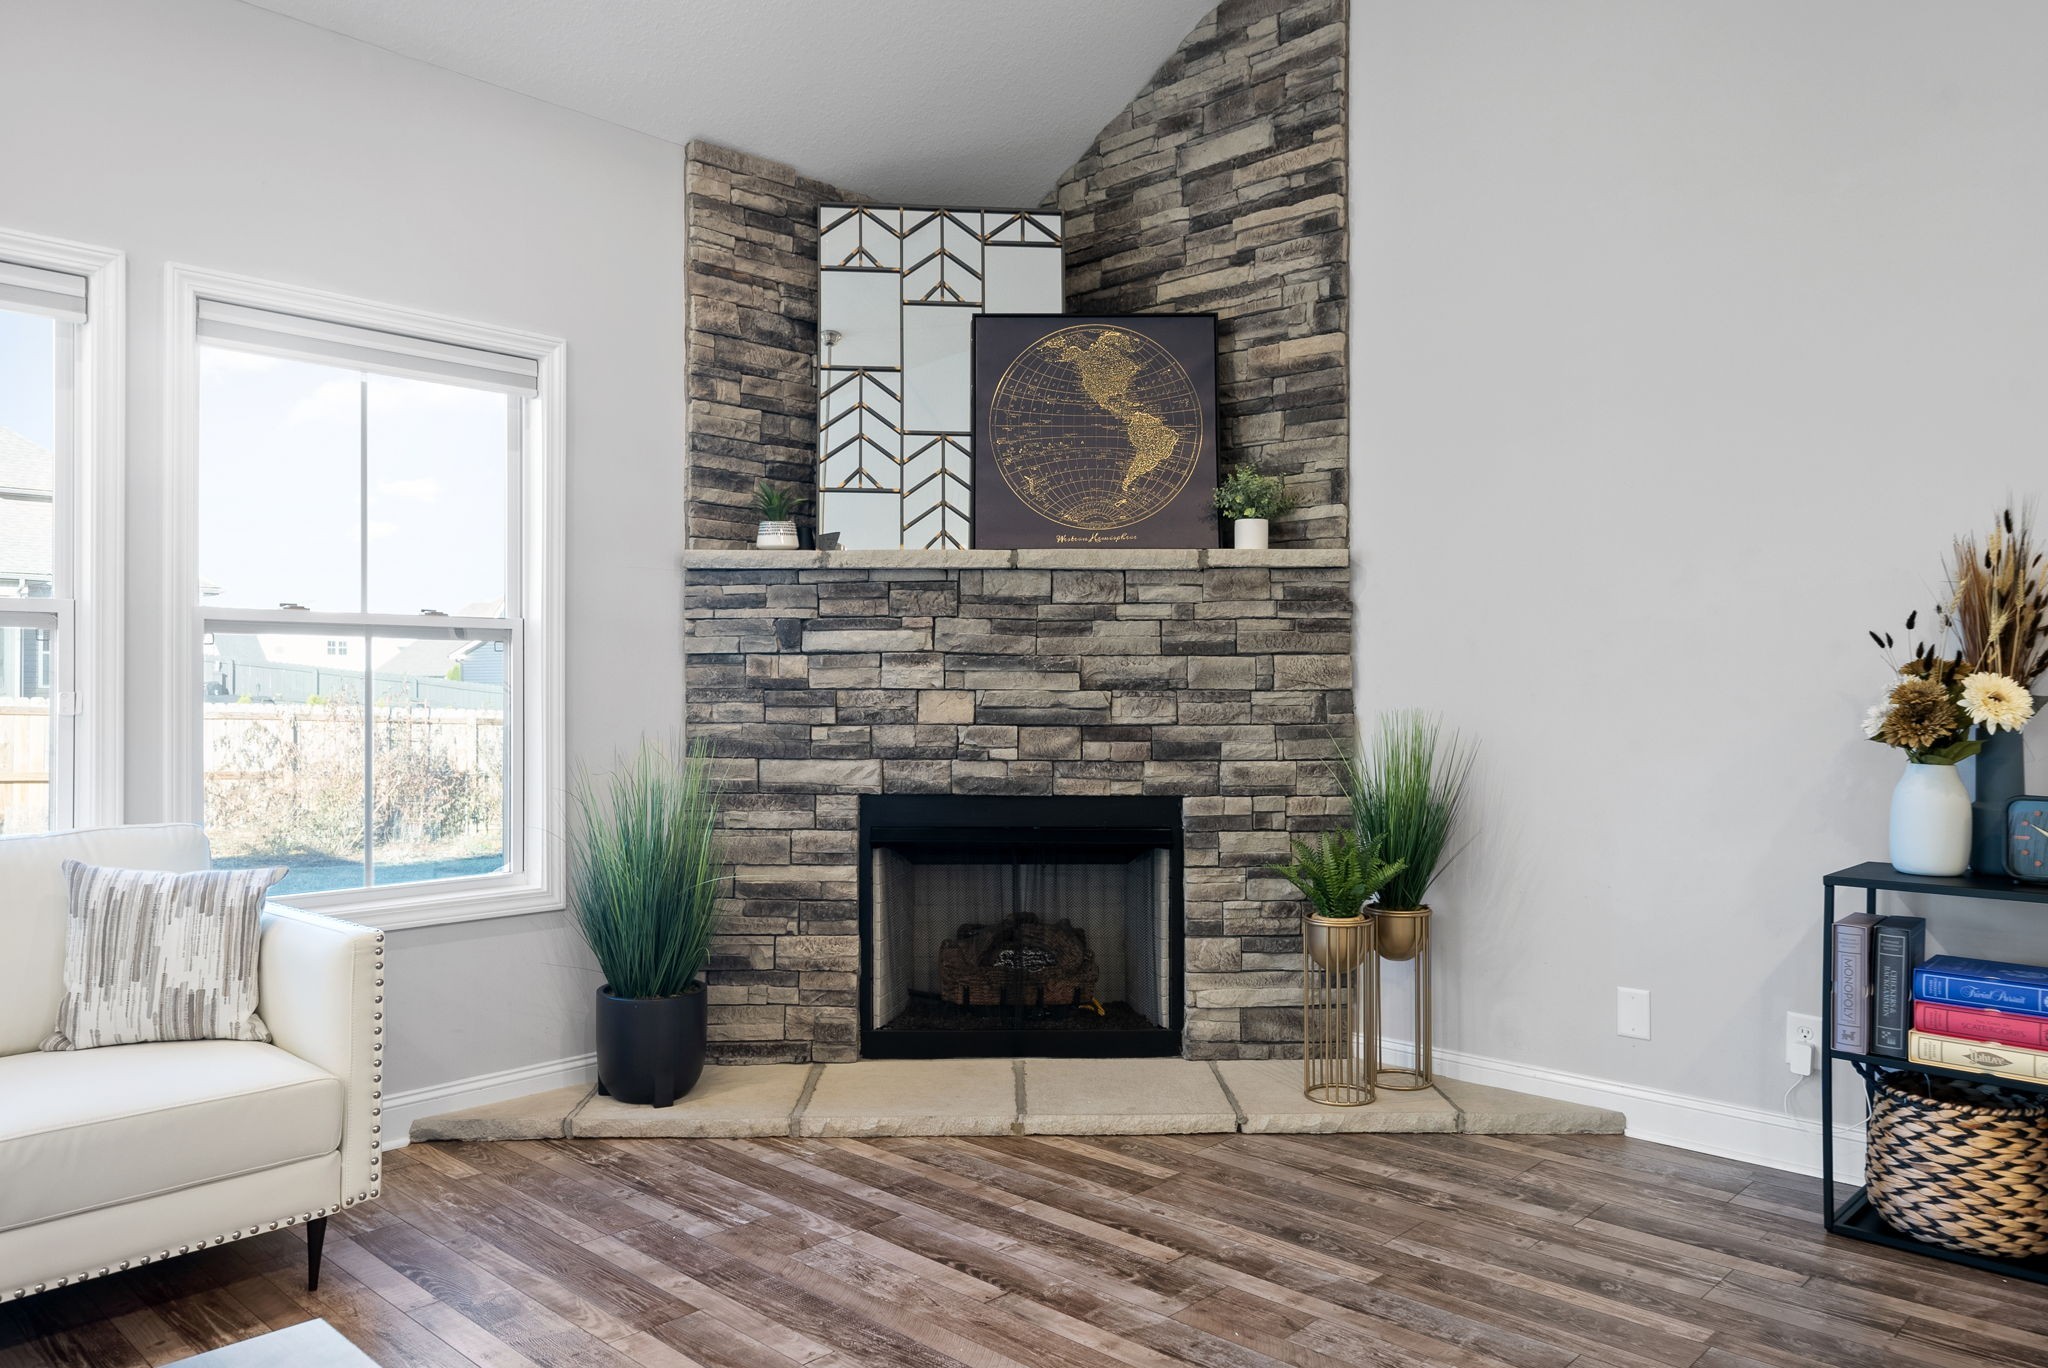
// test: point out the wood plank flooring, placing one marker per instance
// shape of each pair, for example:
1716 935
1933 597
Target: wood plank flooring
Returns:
1234 1251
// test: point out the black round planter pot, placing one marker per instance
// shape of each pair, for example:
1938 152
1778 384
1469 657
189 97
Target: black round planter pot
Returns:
650 1051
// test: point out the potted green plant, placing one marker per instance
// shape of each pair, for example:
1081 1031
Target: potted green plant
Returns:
1251 501
645 871
777 507
1406 789
1338 875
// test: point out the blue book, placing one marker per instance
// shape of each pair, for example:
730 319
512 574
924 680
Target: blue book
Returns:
2021 988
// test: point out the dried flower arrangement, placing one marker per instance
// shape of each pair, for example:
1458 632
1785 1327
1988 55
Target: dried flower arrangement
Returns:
1996 618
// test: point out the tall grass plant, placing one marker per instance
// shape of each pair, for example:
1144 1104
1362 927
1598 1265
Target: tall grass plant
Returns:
1407 784
645 869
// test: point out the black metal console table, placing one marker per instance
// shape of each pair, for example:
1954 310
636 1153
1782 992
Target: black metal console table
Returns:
1855 1217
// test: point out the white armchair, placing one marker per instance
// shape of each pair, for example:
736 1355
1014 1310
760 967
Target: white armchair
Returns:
132 1153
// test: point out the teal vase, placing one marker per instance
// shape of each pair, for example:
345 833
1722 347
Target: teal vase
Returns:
2001 777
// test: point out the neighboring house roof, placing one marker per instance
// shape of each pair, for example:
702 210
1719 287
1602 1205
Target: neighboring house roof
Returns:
24 465
433 656
28 525
428 659
241 649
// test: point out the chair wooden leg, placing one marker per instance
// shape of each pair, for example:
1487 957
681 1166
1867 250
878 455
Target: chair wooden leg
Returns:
316 1236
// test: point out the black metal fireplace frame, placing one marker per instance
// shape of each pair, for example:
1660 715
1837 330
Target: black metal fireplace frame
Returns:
936 818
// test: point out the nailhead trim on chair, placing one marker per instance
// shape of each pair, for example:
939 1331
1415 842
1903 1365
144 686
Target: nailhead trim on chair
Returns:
261 1228
376 1073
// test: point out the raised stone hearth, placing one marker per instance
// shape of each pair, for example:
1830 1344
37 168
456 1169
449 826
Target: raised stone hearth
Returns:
1220 677
1013 1097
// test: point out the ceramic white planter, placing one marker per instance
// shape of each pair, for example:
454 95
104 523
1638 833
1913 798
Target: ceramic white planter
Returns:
776 536
1248 534
1930 822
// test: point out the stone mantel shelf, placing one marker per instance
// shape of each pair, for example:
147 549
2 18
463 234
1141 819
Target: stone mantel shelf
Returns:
1055 558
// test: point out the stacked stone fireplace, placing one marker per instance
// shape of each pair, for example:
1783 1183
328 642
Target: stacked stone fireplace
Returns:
1219 678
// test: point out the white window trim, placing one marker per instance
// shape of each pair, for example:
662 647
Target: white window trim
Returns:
541 884
94 521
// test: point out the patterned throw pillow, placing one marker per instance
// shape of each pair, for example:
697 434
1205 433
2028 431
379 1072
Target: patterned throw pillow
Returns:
154 956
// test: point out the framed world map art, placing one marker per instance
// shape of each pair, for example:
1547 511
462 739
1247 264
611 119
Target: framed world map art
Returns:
1094 431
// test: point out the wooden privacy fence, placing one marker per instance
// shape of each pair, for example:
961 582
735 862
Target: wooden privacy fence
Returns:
283 777
24 765
279 749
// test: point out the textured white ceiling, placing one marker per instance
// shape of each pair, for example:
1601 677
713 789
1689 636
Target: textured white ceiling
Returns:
956 101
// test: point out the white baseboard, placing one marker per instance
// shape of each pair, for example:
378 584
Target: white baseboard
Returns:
401 1109
1726 1129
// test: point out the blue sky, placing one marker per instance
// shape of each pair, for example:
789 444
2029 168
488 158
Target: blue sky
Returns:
27 377
281 489
281 517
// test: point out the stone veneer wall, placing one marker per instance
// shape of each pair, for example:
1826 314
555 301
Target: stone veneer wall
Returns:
1222 676
751 275
1221 188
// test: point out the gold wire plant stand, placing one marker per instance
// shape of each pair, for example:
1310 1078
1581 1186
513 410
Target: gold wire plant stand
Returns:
1340 1017
1403 934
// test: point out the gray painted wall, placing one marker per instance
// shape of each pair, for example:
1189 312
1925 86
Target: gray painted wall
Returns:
1686 336
219 135
1700 327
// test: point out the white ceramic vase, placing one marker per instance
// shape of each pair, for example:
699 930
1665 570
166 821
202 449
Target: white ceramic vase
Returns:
776 536
1930 822
1248 534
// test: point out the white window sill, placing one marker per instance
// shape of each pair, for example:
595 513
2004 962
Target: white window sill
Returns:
400 907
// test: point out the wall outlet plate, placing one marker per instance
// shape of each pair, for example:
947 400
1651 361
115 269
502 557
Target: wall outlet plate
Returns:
1802 1042
1632 1012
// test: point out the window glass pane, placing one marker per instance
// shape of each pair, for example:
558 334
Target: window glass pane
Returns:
28 467
438 733
284 756
439 457
280 482
28 730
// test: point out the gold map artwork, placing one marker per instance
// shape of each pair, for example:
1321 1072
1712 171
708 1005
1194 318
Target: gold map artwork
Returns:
1095 427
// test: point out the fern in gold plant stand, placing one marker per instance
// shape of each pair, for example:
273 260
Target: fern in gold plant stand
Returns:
1339 974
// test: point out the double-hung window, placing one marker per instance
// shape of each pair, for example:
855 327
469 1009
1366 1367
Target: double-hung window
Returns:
370 513
59 465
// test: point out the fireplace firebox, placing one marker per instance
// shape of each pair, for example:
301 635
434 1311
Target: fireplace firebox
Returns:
997 925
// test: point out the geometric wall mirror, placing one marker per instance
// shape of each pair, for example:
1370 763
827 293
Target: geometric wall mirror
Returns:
898 289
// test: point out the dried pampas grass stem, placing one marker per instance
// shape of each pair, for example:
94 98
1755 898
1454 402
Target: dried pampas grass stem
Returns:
1998 599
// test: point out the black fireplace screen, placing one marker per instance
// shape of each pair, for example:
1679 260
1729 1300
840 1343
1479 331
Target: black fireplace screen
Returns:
1020 925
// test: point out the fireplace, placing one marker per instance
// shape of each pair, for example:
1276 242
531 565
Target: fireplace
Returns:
1020 926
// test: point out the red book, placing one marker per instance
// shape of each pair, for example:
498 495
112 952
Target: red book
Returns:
1977 1023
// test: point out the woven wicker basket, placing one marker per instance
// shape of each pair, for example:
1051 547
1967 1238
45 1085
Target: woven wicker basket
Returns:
1960 1165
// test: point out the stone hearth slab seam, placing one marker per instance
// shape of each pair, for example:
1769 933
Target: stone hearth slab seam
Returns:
1236 1106
569 1121
803 1099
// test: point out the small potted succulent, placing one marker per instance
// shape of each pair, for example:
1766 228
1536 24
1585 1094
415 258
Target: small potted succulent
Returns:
777 507
645 872
1251 501
1339 877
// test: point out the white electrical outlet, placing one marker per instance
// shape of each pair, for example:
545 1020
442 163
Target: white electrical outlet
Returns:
1802 1042
1632 1012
